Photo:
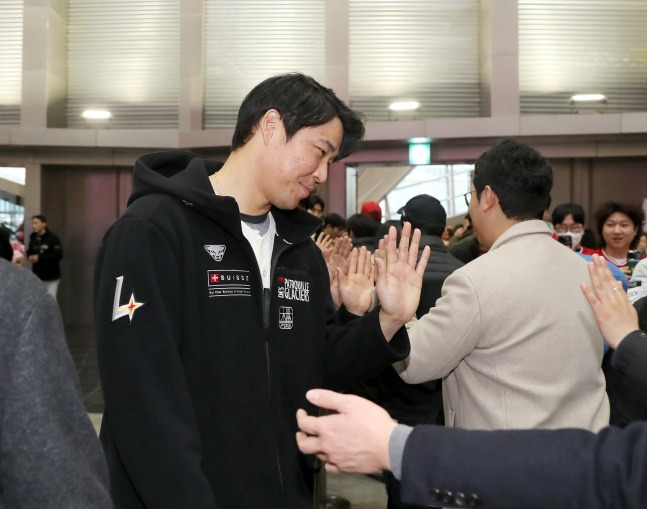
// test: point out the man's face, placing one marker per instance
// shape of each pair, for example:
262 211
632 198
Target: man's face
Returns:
619 231
294 168
333 231
569 227
316 210
38 226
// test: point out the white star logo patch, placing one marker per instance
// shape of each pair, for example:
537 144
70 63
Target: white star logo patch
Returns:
119 311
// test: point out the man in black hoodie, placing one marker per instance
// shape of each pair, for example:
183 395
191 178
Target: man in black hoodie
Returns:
45 253
214 315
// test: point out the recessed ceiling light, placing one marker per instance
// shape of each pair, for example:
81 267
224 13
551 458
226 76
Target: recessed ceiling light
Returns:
96 114
578 98
404 106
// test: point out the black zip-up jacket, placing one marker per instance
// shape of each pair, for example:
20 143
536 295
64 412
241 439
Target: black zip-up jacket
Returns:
200 394
49 250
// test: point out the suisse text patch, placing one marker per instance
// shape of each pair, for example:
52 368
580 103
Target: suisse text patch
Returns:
228 283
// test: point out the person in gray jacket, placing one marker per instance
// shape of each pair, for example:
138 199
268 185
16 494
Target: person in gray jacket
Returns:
50 456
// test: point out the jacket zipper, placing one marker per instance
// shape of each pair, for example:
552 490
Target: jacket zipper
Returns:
266 326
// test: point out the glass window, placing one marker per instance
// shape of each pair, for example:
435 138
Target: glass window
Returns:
447 183
13 174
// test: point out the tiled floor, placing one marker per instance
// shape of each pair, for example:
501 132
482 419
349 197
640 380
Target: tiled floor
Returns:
363 492
84 353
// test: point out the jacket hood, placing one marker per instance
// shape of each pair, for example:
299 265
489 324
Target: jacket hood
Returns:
185 176
182 174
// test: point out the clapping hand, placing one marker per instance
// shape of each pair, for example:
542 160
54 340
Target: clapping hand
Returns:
356 287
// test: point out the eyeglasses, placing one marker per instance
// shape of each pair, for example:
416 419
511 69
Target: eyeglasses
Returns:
468 197
573 228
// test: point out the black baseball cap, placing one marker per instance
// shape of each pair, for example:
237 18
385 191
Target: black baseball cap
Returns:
423 209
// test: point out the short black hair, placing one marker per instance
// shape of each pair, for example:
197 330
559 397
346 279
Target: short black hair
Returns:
383 229
564 209
634 212
435 229
315 199
304 203
519 175
302 102
40 217
361 225
334 220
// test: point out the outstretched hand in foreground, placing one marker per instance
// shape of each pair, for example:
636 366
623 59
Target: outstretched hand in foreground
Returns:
614 313
355 439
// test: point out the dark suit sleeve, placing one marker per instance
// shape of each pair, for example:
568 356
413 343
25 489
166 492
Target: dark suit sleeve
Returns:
630 361
356 348
526 468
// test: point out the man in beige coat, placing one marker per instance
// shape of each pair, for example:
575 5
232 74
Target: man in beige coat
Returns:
512 336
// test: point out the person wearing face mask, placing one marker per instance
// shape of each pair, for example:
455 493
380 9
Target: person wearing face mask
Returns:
568 220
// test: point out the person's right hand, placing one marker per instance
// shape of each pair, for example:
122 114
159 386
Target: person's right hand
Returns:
614 314
341 249
353 439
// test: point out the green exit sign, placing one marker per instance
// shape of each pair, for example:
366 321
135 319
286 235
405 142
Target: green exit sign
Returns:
419 153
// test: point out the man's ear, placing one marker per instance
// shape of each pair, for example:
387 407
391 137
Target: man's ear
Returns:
489 199
269 124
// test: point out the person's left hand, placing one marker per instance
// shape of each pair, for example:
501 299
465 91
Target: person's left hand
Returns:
356 439
356 288
334 288
399 279
614 313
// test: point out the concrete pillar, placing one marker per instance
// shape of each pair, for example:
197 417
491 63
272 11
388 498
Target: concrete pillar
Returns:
336 77
44 80
499 49
191 100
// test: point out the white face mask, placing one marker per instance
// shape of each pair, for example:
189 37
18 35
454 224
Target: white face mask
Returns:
576 238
